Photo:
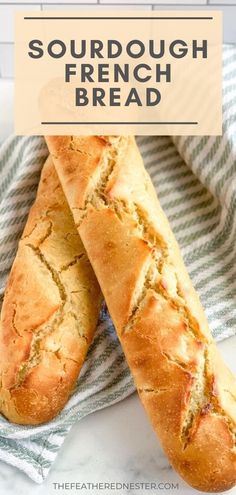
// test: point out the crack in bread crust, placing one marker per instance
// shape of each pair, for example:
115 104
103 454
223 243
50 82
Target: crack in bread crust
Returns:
97 196
13 322
34 357
199 398
54 274
161 319
48 233
55 321
200 394
50 310
72 262
153 390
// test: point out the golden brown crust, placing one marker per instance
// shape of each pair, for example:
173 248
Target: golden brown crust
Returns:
50 310
186 389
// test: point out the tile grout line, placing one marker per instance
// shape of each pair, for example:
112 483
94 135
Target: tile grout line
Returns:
100 2
153 5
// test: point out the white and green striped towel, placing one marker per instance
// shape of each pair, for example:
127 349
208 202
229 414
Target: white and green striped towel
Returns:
195 178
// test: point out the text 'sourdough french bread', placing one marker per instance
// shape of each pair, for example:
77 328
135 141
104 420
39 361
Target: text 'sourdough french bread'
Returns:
50 310
187 391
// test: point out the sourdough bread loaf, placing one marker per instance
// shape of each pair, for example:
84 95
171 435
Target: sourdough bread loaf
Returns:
186 389
50 310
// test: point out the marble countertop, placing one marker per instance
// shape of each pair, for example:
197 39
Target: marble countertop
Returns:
116 444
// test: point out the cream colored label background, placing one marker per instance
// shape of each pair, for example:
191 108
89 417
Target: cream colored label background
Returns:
193 95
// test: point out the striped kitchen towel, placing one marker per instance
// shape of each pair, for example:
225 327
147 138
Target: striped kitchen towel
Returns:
195 178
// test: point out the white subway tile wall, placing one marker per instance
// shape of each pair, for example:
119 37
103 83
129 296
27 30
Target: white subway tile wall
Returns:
97 7
7 20
8 8
6 60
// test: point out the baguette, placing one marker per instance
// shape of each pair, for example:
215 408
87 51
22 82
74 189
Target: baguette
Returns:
50 310
188 392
